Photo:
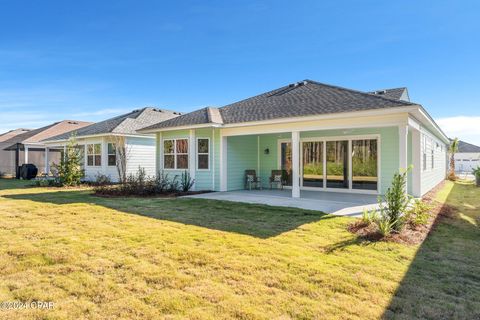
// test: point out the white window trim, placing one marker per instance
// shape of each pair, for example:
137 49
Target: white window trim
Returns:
336 138
198 153
112 154
94 154
174 154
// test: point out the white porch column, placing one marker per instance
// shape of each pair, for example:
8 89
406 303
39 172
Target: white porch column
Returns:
47 161
64 152
193 157
417 163
223 163
25 153
403 148
158 153
295 164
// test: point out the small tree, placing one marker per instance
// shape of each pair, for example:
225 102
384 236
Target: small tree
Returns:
122 151
69 170
453 148
397 201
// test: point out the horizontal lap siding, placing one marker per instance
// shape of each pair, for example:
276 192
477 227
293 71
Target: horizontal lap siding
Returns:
241 155
203 178
141 154
432 177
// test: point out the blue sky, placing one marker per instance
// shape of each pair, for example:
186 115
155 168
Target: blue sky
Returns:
91 60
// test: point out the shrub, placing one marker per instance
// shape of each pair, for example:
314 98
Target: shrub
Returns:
46 182
161 182
397 201
173 186
102 179
385 226
369 216
418 213
186 182
476 172
69 170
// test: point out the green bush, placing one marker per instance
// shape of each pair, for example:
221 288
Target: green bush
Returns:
418 213
397 201
186 182
69 170
369 216
476 172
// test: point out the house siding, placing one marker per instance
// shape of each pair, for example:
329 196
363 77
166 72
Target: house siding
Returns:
242 154
432 177
141 153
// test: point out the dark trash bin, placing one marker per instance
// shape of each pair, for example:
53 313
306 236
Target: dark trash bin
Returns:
28 171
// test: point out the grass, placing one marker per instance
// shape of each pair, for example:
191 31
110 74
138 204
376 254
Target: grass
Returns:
101 258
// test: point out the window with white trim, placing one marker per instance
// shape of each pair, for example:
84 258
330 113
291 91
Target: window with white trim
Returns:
112 154
203 153
424 153
94 155
175 154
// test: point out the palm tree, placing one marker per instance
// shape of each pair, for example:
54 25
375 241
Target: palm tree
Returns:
452 150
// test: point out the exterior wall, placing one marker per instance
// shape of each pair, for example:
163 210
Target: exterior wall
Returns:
141 153
432 177
204 179
242 154
246 150
91 172
7 159
465 162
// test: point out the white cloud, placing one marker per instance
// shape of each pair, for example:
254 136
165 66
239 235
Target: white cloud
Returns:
464 127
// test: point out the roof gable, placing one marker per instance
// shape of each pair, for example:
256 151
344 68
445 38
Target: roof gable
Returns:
127 123
465 147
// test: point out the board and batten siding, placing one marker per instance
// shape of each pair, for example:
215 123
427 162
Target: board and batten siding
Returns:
141 154
430 177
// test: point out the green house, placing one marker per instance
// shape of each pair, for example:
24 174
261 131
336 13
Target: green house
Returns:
323 137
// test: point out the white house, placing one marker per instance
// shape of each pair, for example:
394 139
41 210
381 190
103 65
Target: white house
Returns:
99 143
467 158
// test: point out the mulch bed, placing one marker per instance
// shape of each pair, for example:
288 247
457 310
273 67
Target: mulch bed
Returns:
410 234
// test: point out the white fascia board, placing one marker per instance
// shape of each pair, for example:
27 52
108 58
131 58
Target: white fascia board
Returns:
392 120
50 142
422 115
187 127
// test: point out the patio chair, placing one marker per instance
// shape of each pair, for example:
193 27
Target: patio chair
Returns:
252 180
278 178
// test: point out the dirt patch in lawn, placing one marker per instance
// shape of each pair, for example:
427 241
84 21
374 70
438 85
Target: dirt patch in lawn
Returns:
410 234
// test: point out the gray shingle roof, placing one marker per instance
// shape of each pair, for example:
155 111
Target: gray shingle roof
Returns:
124 124
465 147
395 93
305 98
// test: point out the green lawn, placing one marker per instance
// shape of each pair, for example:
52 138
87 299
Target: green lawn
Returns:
99 258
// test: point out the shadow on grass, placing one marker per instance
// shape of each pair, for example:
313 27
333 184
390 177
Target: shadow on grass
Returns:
443 280
249 219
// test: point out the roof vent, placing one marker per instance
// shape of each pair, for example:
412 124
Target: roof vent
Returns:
72 122
381 92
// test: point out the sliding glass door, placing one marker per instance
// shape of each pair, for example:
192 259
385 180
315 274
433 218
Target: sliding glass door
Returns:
337 164
350 164
364 164
312 155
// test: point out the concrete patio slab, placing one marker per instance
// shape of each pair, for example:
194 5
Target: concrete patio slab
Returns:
337 203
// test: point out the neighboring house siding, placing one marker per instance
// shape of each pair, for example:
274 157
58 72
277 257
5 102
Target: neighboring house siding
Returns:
466 162
141 153
432 177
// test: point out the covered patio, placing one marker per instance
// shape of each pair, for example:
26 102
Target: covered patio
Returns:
337 203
